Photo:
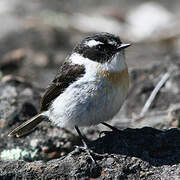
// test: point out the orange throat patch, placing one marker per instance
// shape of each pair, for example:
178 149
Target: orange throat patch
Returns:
117 78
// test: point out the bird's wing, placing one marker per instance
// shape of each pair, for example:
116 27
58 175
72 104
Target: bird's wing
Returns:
67 74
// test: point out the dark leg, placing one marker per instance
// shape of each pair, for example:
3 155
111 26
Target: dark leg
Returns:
84 141
83 138
109 126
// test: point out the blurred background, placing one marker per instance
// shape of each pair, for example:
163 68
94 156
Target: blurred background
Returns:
37 35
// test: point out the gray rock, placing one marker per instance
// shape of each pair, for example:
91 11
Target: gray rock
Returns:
145 153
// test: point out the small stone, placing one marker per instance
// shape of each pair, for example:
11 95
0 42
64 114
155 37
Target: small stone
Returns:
27 92
13 58
34 142
41 60
151 16
110 161
174 115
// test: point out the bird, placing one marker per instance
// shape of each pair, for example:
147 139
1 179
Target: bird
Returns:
89 87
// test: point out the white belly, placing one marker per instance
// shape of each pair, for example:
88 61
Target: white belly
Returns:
87 103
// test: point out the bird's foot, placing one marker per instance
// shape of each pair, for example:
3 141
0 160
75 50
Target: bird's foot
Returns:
86 147
93 155
114 129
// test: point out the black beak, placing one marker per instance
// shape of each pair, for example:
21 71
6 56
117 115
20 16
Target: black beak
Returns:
123 46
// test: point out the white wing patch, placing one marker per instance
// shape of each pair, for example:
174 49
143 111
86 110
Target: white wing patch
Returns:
92 43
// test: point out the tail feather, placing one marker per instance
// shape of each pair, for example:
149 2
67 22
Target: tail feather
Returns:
27 126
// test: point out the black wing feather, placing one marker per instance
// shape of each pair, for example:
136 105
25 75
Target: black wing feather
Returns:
67 74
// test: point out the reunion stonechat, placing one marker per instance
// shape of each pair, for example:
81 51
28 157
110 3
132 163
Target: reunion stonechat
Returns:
89 88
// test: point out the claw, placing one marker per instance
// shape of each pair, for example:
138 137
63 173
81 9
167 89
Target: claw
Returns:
85 147
114 129
103 132
89 151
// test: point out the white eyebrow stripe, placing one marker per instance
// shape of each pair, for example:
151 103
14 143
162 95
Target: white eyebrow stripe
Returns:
112 42
92 43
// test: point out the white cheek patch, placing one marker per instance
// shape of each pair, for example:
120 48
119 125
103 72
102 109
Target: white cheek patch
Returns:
92 43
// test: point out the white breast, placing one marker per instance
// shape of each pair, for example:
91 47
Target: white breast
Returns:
90 100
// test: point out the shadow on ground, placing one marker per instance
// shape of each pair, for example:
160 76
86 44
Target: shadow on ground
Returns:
158 147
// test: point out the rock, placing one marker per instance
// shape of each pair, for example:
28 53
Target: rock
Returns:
144 80
19 101
174 85
147 19
95 23
174 115
144 153
12 92
12 60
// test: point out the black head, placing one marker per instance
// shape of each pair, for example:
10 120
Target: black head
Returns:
100 47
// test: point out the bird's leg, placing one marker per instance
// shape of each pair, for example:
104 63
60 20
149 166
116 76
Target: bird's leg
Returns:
84 141
109 126
83 138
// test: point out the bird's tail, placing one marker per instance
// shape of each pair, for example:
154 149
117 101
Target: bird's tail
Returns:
27 126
